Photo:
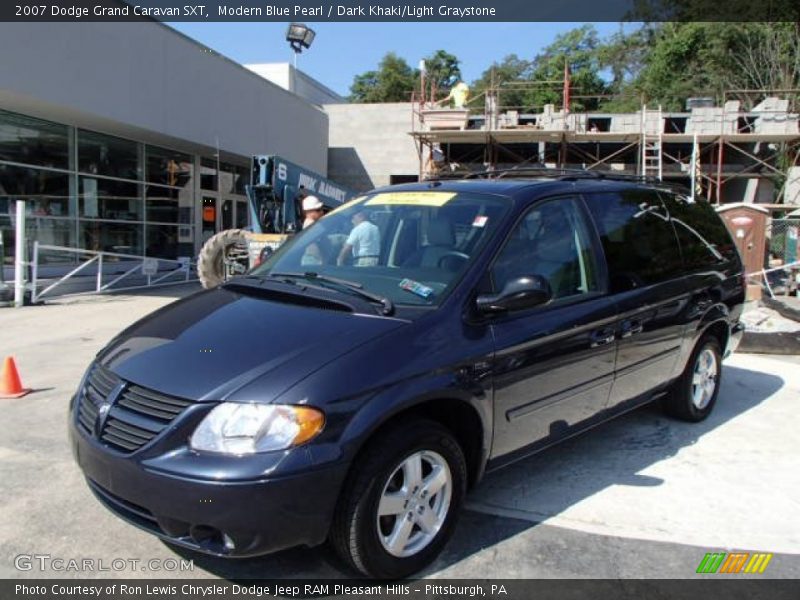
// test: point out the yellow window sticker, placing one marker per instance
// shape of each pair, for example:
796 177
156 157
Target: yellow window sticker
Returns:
412 198
347 204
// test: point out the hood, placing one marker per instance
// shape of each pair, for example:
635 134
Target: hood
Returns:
211 344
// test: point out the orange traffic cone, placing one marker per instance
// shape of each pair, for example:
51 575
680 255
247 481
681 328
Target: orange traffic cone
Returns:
10 384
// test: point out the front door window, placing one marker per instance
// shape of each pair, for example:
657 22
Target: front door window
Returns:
552 240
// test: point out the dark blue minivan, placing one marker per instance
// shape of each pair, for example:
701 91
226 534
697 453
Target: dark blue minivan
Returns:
354 386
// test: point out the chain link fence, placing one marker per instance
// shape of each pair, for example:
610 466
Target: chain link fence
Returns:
783 275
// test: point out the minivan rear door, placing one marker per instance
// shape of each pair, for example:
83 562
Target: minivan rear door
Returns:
648 285
554 363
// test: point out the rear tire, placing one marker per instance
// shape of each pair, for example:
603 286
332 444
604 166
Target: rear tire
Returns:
223 256
694 394
401 501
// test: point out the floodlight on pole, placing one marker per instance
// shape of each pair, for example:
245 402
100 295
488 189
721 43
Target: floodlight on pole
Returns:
299 36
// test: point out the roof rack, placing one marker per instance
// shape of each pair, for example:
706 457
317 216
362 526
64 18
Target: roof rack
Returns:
562 173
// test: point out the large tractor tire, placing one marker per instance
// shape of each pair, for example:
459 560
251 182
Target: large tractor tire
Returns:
223 256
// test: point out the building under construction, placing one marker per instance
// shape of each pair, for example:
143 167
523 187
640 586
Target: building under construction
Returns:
728 154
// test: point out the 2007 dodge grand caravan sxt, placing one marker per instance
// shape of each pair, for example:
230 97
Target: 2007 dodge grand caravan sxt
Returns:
354 386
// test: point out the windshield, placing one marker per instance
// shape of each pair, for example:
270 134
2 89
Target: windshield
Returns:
409 247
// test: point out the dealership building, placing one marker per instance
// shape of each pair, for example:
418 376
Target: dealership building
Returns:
135 139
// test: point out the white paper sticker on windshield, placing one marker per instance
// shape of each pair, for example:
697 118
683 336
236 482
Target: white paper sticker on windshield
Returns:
480 221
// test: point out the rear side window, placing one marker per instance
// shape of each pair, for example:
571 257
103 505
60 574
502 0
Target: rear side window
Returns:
705 241
638 239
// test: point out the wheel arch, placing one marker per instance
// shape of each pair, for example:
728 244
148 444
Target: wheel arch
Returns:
459 416
715 322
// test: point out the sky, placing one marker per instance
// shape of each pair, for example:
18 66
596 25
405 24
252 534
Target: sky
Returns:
344 50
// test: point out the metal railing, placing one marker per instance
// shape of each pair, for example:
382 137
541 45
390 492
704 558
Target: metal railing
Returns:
147 269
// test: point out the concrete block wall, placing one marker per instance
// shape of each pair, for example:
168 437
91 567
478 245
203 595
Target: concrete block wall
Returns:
370 142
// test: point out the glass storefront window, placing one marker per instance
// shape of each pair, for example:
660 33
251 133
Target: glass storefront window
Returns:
168 167
241 214
208 174
95 191
233 178
169 241
169 205
46 192
111 236
100 198
33 141
100 154
46 230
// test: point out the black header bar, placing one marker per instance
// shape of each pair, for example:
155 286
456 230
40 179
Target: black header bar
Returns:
400 11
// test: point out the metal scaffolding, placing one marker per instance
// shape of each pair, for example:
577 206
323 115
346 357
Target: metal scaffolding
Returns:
740 156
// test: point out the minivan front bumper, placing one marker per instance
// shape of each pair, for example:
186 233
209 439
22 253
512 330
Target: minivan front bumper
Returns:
223 518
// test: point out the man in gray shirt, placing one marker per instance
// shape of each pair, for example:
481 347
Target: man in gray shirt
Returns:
364 242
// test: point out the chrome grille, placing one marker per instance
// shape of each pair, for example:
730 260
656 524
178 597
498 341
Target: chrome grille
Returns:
135 417
99 385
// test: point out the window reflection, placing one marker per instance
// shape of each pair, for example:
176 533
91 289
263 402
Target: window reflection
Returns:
100 154
46 230
100 198
33 141
169 241
169 205
168 167
233 178
208 174
109 236
46 192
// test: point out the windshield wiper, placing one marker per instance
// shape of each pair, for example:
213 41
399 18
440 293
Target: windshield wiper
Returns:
352 286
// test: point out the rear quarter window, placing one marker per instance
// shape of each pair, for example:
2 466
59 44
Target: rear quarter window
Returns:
704 239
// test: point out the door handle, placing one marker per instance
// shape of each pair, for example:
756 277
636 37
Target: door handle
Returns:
630 328
601 337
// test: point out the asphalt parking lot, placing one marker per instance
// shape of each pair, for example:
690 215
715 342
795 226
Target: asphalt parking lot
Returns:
643 496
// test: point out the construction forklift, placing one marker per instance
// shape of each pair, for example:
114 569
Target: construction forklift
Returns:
277 187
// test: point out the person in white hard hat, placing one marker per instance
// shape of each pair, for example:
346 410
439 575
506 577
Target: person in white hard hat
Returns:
312 210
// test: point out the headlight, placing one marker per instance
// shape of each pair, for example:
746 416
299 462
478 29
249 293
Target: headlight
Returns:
234 428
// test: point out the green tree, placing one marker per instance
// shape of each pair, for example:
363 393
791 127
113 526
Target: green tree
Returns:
708 59
393 81
580 50
528 85
442 69
505 75
623 55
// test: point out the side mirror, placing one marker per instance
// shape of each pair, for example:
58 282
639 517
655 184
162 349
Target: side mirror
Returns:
518 294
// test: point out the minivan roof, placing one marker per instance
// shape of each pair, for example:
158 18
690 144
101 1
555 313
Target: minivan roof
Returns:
511 187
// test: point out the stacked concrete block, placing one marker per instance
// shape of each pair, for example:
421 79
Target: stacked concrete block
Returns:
704 121
626 123
551 120
774 117
577 122
730 116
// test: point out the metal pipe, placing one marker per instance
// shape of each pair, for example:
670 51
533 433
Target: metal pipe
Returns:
19 257
34 270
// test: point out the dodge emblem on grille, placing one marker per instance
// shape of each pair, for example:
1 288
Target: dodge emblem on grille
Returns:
105 408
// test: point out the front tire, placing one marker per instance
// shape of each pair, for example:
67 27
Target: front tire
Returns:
694 394
401 501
